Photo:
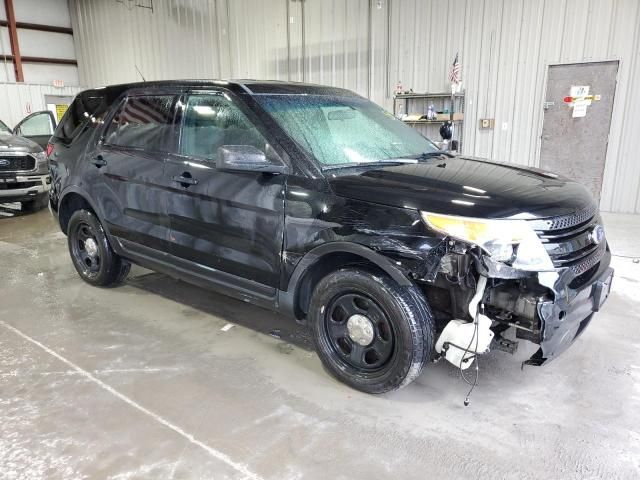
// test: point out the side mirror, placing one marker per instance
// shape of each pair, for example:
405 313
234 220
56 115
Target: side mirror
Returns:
246 158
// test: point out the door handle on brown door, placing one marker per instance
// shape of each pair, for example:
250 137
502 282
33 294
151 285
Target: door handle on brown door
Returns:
185 179
99 161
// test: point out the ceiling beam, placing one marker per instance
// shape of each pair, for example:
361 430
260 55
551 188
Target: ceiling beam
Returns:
39 27
53 61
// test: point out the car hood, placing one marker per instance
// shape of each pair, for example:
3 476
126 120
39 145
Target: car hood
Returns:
14 143
466 186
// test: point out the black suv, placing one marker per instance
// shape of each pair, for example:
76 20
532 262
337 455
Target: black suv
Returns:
317 203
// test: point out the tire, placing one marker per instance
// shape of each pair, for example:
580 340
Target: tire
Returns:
36 204
400 330
95 261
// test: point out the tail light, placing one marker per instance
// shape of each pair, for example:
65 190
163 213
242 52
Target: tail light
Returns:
49 149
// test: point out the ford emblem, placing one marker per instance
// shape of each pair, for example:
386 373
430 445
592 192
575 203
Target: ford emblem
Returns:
4 162
597 234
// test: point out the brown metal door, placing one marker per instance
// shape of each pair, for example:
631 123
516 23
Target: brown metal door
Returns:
573 145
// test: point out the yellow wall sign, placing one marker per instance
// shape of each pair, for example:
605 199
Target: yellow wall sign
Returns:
60 109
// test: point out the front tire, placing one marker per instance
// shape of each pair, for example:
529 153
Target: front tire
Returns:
36 204
91 254
371 333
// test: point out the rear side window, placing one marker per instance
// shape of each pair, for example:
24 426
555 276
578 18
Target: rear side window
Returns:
85 110
211 121
143 122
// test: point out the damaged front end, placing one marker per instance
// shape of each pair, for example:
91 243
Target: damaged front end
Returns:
481 287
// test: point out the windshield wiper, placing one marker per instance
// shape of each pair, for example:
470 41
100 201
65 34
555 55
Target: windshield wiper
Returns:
382 163
437 153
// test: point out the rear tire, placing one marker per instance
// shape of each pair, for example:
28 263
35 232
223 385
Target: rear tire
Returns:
92 256
371 333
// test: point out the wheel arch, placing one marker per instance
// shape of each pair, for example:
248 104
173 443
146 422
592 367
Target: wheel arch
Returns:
72 200
325 259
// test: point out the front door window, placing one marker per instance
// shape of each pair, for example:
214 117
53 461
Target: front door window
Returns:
211 121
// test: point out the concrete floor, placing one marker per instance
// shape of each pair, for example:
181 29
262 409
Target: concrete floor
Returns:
144 381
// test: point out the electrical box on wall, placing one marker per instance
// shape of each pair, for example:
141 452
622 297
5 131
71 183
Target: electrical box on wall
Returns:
486 123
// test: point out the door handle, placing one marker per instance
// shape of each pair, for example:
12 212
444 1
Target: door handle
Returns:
185 179
99 161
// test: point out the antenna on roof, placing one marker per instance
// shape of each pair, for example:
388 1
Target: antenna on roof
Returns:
139 72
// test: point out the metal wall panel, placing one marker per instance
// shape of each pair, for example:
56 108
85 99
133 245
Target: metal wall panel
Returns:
336 50
505 48
17 100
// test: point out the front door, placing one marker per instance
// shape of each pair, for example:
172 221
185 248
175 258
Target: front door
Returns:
230 223
37 127
575 133
126 172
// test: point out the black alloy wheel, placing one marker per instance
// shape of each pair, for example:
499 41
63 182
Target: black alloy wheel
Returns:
91 254
359 331
85 250
370 332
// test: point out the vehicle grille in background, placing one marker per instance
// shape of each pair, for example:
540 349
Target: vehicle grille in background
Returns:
569 241
24 162
17 185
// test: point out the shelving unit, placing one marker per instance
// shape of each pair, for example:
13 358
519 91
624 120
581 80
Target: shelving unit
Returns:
418 104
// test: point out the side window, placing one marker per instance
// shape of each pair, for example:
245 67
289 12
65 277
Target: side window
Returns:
76 118
143 122
211 121
39 124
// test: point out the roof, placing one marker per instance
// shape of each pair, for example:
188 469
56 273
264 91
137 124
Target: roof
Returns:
250 87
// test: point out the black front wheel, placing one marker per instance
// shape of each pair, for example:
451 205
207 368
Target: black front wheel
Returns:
92 256
370 332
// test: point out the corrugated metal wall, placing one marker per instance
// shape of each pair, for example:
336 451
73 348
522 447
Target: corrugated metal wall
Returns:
35 43
17 100
368 45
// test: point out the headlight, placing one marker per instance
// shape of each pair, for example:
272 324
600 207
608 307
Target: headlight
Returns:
512 241
42 163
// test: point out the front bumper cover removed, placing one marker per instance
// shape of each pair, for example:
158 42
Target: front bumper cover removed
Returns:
564 319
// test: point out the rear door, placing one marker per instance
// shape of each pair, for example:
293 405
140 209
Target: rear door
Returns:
38 127
126 172
228 221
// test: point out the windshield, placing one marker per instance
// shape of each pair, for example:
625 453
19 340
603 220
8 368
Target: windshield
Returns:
4 128
344 130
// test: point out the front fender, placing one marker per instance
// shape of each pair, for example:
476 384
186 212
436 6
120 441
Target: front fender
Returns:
316 254
291 298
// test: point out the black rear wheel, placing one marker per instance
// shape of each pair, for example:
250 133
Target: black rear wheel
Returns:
92 256
370 332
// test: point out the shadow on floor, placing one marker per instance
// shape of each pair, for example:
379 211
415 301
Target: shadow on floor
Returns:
226 308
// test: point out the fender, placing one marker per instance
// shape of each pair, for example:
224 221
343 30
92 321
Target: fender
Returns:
83 193
286 298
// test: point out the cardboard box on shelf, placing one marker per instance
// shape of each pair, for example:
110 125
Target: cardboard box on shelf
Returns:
443 117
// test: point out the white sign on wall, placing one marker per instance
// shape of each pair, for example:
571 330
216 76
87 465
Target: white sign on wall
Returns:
580 104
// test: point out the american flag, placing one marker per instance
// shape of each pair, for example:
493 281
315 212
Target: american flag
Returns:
454 74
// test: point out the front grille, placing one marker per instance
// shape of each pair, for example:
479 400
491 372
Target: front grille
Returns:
17 185
569 241
10 164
